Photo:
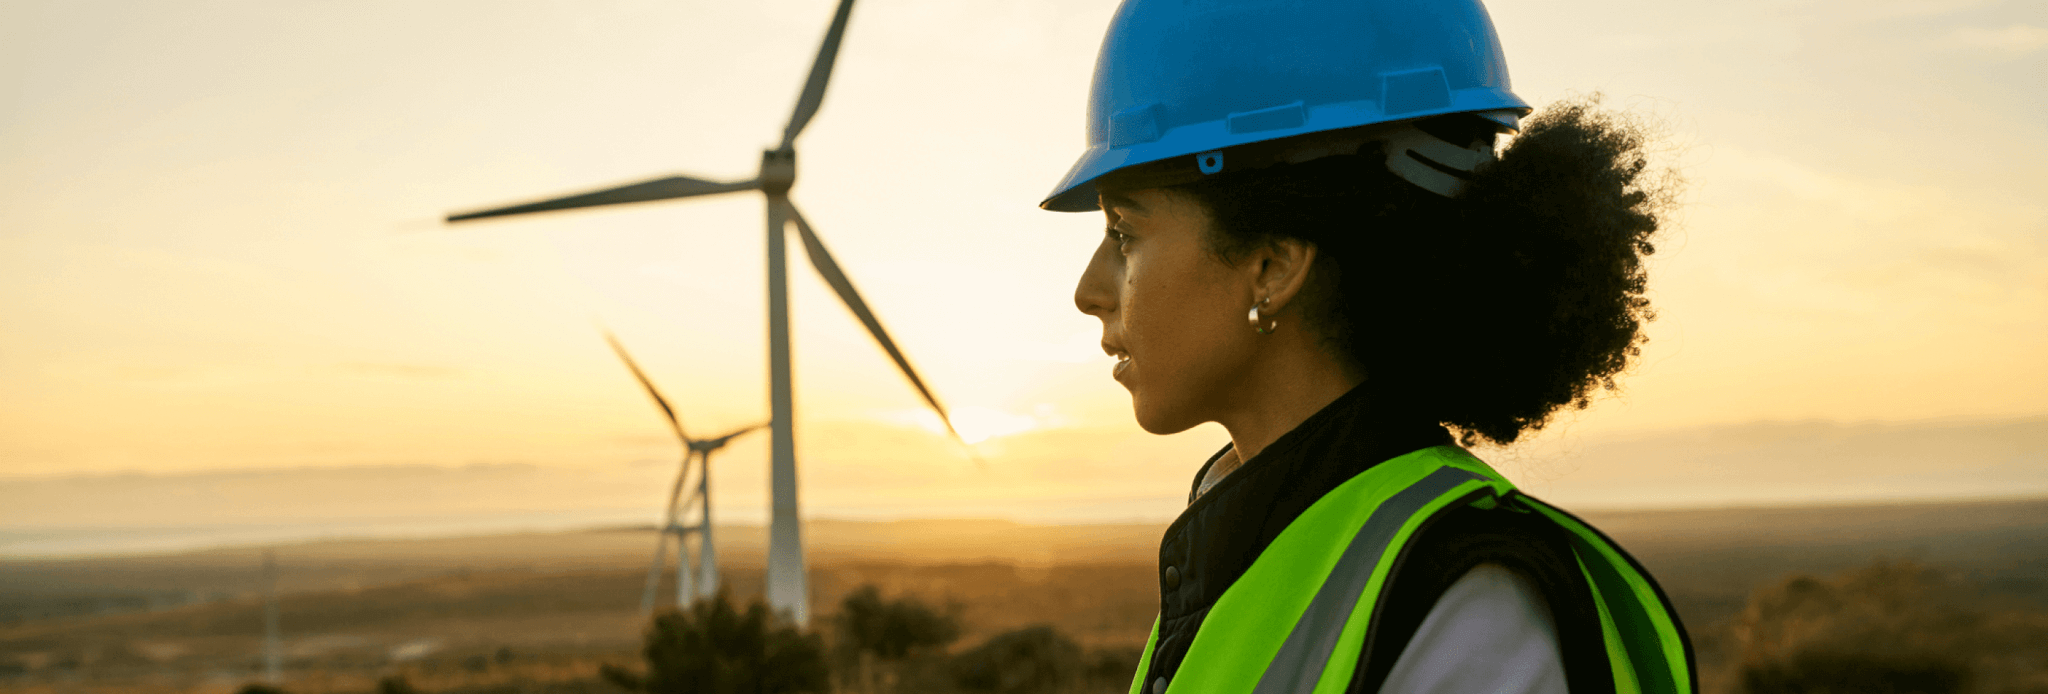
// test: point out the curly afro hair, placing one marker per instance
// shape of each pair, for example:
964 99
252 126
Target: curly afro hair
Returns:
1487 312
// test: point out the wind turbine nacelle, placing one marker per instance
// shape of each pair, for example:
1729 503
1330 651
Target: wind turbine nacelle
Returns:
778 170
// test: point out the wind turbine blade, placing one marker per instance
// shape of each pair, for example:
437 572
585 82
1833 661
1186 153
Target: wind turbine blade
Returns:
821 72
645 191
670 412
829 269
721 440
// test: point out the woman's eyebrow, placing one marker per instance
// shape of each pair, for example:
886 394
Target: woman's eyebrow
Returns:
1119 200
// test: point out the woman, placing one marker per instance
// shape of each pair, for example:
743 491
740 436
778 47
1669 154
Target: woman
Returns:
1311 240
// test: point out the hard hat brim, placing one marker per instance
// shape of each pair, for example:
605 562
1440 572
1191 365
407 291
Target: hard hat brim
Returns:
1076 191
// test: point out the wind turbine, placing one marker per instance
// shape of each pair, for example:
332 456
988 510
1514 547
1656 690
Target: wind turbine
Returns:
702 582
787 592
273 645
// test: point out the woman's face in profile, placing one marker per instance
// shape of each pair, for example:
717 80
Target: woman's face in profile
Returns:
1173 313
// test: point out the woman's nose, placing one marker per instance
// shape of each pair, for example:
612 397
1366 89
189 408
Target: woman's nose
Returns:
1096 294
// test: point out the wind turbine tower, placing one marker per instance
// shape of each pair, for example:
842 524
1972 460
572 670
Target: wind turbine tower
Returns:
787 590
701 580
273 643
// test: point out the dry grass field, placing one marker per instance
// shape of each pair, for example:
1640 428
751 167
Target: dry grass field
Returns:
542 612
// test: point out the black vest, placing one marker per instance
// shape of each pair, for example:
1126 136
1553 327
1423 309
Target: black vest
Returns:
1222 531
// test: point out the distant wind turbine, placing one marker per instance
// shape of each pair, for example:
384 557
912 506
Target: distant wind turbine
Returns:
703 580
273 644
787 591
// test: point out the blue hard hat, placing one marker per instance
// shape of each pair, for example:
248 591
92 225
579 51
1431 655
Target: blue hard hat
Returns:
1189 78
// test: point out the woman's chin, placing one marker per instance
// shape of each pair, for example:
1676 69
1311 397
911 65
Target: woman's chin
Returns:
1155 421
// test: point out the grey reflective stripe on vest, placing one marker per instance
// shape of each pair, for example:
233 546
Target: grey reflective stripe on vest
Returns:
1299 664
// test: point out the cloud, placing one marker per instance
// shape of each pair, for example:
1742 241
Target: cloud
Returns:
411 371
2006 42
1871 245
340 493
1796 462
1905 9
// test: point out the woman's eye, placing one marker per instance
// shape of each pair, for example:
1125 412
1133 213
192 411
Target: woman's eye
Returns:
1119 238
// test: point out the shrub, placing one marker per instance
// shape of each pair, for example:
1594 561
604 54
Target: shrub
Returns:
1815 672
892 629
622 678
1026 661
396 684
1113 668
1887 628
715 649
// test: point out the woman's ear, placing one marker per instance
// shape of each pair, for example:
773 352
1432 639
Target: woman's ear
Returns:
1282 271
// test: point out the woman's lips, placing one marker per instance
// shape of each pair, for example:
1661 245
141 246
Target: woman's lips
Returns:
1123 359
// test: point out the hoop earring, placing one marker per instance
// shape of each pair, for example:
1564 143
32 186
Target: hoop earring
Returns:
1259 324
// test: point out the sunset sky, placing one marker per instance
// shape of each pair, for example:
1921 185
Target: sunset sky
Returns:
220 250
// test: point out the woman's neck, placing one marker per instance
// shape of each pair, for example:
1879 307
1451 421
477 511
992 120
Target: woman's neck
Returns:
1292 381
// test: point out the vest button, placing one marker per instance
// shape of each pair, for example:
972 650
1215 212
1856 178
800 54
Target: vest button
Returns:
1159 686
1172 577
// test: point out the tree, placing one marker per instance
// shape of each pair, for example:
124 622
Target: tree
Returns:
1031 660
715 649
882 644
892 629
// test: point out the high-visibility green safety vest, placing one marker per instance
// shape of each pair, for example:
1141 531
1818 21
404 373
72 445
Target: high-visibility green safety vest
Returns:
1296 621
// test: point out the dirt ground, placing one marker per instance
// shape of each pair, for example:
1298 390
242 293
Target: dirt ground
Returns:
542 612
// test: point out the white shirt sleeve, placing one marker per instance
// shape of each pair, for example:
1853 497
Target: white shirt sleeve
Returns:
1491 633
